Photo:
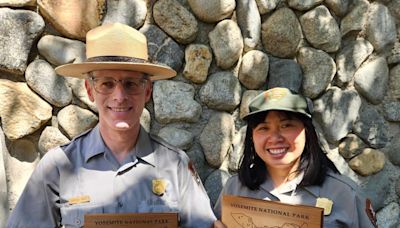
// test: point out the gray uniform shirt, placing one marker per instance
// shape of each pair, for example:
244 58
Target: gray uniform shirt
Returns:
349 206
86 167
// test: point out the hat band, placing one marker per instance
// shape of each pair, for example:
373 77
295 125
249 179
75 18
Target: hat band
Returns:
116 59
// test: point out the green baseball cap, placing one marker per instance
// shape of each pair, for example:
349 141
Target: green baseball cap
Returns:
278 98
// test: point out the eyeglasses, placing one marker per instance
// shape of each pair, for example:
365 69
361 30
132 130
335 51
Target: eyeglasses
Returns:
106 85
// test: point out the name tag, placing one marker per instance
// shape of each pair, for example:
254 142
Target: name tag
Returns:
79 199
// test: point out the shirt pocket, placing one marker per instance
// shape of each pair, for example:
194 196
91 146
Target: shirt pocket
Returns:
73 215
333 222
158 204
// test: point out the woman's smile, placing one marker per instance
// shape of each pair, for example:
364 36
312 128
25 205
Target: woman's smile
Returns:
279 140
277 151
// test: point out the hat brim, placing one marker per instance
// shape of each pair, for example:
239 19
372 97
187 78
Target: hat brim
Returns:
275 109
77 70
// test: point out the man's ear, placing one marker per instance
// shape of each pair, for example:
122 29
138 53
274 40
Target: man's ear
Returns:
89 90
148 90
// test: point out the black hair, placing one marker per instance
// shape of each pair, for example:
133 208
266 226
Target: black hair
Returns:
313 161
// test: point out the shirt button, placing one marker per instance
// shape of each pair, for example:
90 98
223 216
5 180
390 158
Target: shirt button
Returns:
77 221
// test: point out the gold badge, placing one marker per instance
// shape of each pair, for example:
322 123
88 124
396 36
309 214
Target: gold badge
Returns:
275 94
159 186
326 204
79 199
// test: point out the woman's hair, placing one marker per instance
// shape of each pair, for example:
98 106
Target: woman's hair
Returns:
314 162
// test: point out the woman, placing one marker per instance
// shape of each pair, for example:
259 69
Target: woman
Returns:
283 161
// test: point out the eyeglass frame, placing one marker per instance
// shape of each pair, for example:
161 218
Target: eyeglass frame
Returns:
143 81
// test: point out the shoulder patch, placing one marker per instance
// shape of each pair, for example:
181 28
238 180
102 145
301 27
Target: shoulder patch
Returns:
370 212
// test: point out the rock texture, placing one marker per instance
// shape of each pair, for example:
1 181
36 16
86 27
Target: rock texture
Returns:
281 33
19 117
18 30
130 12
212 11
226 42
175 20
72 18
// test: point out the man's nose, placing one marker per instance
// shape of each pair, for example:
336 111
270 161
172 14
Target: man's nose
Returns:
119 92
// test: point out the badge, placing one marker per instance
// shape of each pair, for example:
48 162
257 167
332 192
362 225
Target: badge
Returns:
79 199
159 186
275 94
326 204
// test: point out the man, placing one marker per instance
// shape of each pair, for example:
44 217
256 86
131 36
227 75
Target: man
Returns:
117 167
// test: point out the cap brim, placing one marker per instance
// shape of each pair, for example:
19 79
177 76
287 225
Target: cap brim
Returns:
156 72
274 109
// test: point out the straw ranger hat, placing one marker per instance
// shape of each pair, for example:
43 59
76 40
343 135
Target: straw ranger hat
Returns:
116 46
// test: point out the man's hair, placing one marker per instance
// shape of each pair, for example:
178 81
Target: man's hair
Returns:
313 161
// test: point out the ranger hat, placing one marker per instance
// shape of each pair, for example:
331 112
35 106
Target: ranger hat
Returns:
116 47
278 98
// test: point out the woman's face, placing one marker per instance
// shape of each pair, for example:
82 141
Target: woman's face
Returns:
279 141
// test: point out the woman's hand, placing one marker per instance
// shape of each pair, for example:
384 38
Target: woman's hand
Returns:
219 224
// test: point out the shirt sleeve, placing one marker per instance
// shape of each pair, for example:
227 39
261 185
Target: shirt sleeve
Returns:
195 205
217 206
365 215
37 205
352 207
226 190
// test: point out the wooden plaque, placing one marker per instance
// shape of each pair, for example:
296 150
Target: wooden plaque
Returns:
132 220
243 212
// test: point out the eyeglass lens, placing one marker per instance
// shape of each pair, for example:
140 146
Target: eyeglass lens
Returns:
106 85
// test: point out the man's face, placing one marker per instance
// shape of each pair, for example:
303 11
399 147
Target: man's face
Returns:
120 97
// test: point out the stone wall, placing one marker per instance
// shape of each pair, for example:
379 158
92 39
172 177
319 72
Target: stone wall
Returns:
343 54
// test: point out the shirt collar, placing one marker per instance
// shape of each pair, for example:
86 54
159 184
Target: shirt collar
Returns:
95 144
291 185
144 148
286 187
314 190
